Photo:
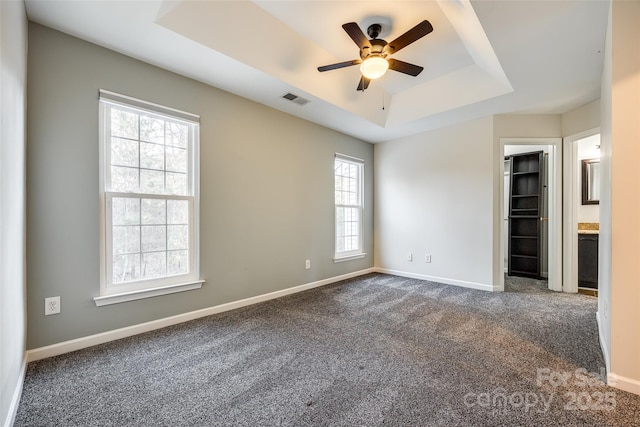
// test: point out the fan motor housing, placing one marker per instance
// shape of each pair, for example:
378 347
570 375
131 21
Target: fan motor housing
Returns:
377 49
377 45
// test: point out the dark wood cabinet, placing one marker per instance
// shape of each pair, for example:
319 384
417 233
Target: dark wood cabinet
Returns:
588 261
525 204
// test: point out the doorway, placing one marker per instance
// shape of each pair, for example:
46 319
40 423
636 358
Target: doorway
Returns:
552 147
581 218
526 212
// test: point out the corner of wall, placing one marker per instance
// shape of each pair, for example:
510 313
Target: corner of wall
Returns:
581 118
13 56
622 242
16 395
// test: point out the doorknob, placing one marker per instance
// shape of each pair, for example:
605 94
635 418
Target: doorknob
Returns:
544 219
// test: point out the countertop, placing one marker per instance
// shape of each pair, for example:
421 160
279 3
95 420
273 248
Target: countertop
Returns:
588 228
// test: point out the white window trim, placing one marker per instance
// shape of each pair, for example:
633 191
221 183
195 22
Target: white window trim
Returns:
349 257
146 293
357 254
113 294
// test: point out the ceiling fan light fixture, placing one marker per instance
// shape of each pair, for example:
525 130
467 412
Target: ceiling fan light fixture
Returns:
374 67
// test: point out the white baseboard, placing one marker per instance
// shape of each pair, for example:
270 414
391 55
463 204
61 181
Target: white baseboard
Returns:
462 283
615 380
17 394
91 340
624 383
603 343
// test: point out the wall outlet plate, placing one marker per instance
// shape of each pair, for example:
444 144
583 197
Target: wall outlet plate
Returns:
409 256
427 258
51 305
307 264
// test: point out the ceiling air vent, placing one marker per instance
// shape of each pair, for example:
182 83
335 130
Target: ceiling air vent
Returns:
295 99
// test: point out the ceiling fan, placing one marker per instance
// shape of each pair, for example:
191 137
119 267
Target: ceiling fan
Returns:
374 53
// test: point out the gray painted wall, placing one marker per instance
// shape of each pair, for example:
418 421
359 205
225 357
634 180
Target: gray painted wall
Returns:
13 73
434 196
266 190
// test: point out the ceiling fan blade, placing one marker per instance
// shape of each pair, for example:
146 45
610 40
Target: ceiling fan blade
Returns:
357 35
404 67
419 31
339 65
363 83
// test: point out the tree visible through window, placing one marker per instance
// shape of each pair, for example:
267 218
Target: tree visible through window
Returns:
149 175
348 203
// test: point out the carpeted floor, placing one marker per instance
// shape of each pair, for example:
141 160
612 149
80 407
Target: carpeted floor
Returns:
375 350
525 284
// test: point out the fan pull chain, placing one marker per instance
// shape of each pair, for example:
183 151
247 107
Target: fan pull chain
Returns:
382 100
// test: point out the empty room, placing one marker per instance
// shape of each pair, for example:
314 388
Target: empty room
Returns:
308 213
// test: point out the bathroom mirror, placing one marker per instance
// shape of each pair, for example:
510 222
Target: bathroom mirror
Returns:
591 181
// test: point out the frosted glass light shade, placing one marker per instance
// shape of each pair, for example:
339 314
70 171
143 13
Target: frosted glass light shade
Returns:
374 67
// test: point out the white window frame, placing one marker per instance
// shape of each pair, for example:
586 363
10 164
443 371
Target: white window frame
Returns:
358 253
111 293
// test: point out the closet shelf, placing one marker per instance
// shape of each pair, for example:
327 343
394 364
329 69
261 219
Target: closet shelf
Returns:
525 199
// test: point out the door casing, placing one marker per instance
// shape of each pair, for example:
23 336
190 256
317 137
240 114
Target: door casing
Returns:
555 279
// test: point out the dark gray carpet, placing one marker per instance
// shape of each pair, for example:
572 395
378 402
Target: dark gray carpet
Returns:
375 350
526 285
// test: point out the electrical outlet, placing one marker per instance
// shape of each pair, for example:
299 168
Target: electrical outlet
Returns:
409 256
307 264
427 258
51 305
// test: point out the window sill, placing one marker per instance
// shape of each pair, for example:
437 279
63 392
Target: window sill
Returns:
348 258
146 293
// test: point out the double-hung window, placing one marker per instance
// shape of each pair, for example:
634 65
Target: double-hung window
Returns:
348 173
149 197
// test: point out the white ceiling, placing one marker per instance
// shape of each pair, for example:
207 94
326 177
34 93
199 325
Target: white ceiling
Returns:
483 57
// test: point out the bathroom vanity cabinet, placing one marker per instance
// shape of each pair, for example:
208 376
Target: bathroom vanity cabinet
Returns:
588 260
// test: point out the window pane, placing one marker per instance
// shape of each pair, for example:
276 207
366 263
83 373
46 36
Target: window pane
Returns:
126 239
177 212
154 238
177 135
151 129
124 152
348 214
177 237
151 181
125 211
126 268
348 192
176 159
176 183
123 179
177 262
150 234
154 264
124 124
340 221
353 243
151 156
154 211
